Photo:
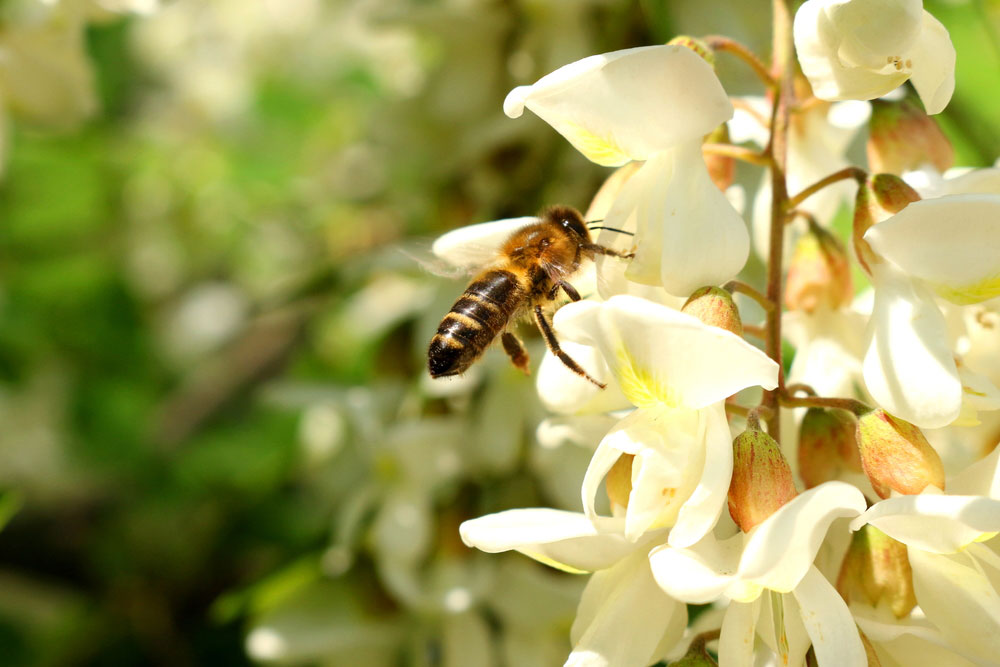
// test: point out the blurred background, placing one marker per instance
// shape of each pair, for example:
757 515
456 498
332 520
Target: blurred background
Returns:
217 443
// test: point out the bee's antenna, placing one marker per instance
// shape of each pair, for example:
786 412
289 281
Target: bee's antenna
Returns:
612 229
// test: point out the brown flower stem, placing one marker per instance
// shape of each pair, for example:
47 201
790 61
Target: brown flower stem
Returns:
856 173
783 67
754 112
755 331
738 286
792 389
719 43
849 404
737 153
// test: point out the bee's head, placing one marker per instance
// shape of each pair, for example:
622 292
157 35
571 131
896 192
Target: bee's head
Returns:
568 218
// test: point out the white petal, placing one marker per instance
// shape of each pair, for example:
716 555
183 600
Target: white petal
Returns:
604 458
736 639
698 574
781 549
933 65
628 105
909 368
932 522
687 233
981 478
950 242
663 357
958 598
701 510
817 44
872 31
621 618
477 245
566 540
828 622
564 392
580 430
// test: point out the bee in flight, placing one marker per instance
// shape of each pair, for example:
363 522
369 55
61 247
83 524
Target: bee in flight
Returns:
531 267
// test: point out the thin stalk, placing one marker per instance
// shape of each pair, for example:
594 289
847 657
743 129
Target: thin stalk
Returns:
783 69
719 43
738 286
848 172
849 404
737 153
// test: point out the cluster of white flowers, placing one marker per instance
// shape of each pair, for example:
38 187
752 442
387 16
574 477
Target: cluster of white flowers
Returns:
886 552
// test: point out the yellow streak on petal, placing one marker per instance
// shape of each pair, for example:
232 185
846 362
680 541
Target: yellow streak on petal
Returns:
642 387
969 294
985 537
744 591
545 560
600 149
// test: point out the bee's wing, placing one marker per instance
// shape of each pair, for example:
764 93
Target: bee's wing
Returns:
475 246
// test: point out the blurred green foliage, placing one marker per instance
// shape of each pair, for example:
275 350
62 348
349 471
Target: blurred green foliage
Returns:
159 493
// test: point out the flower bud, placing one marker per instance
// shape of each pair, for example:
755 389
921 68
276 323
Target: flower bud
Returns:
896 456
714 306
902 137
879 197
762 480
876 568
827 446
819 274
696 45
721 168
618 481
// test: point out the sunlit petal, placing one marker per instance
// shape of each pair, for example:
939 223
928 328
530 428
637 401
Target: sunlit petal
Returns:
623 105
932 522
829 623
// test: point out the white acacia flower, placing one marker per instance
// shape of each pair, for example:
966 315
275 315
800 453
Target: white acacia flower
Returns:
655 104
945 247
623 619
862 49
952 548
677 372
775 590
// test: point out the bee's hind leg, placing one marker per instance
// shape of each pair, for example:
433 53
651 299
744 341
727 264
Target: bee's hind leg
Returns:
599 249
553 344
516 351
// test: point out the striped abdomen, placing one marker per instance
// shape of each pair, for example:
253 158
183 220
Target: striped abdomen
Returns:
477 317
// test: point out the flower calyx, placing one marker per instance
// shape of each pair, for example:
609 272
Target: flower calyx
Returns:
827 446
896 456
880 197
819 274
697 45
762 479
876 569
902 137
714 306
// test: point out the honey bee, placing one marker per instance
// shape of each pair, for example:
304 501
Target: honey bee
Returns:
531 268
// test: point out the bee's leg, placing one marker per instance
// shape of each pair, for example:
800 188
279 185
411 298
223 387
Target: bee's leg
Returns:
515 350
604 250
566 287
553 344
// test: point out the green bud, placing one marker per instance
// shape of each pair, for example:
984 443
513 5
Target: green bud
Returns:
902 137
762 480
827 446
879 197
876 568
896 456
714 306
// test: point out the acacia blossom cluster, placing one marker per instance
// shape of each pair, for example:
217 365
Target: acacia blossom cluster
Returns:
866 532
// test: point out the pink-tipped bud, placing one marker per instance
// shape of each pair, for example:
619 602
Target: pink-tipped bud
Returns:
762 480
876 569
896 456
618 481
819 275
902 137
879 197
721 168
696 45
827 446
714 306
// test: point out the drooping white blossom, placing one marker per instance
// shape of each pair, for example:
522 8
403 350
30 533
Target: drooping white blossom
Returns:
863 49
655 104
